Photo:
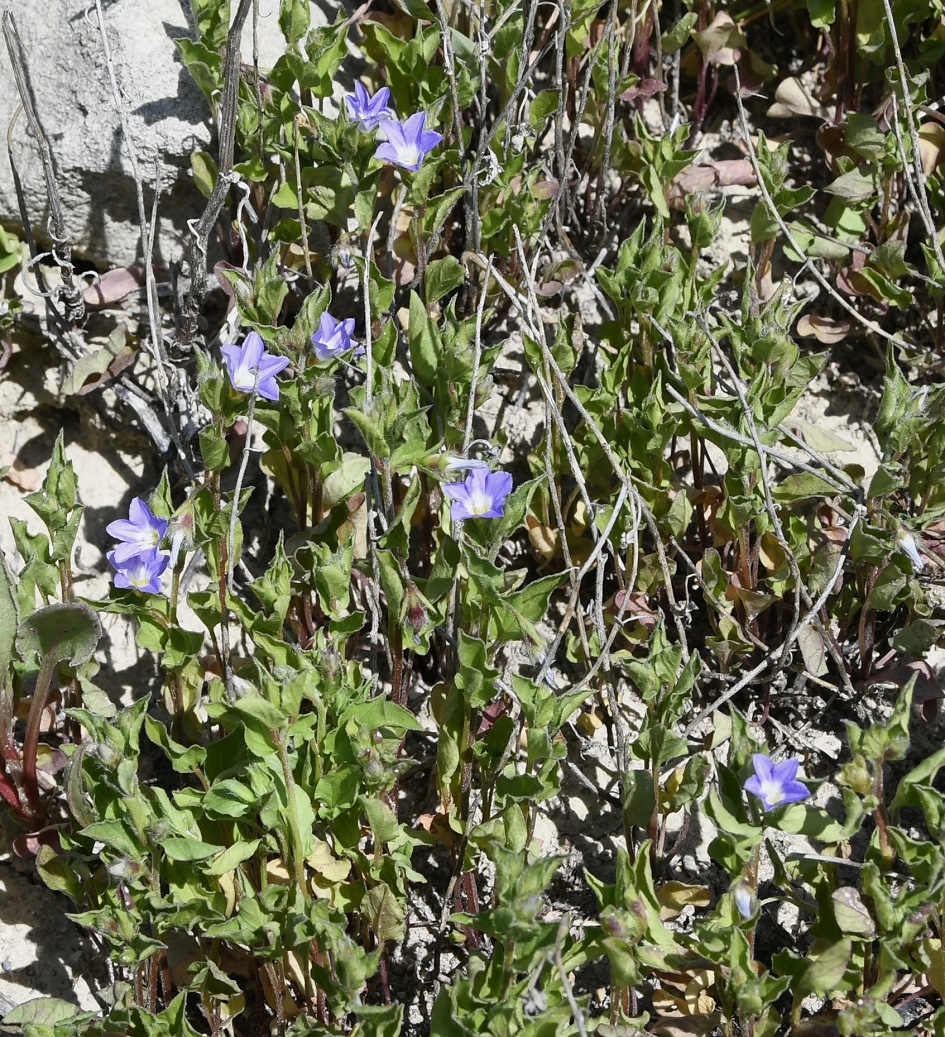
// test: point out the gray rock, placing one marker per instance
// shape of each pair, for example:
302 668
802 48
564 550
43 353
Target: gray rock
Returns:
167 115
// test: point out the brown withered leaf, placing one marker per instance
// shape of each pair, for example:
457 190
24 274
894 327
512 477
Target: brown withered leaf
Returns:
635 606
792 99
706 176
674 896
94 370
113 286
824 329
17 474
931 146
721 42
545 540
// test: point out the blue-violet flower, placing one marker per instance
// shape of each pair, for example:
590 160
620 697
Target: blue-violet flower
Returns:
407 143
142 531
334 337
141 572
480 495
242 363
369 112
775 784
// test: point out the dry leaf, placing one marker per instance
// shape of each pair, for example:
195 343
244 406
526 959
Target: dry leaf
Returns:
792 99
16 473
113 286
674 896
823 328
931 146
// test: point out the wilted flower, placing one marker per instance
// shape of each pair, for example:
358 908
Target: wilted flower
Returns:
480 495
142 531
455 463
369 112
334 337
774 784
243 362
141 572
407 143
910 548
181 531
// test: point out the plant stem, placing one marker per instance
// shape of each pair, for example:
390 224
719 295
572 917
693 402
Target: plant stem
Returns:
31 741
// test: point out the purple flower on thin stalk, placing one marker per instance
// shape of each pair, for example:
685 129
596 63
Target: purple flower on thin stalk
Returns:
334 338
369 112
775 784
480 495
142 531
242 363
140 572
407 143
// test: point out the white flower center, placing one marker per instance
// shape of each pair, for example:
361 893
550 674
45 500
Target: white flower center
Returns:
245 377
139 577
410 155
773 792
480 502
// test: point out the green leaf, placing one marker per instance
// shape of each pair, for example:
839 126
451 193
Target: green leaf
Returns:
890 588
115 835
441 277
229 797
385 913
345 480
231 857
67 631
9 619
294 18
417 9
382 820
380 713
205 172
544 105
825 974
182 848
42 1011
426 349
184 759
858 185
214 449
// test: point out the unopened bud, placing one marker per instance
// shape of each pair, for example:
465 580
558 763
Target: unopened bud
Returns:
416 613
745 900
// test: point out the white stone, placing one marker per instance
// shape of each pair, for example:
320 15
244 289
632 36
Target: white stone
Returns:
168 119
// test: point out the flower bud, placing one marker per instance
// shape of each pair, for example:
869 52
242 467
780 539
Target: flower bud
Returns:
746 902
416 614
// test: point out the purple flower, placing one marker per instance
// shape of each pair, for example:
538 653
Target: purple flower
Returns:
369 112
407 143
242 363
774 784
480 495
142 531
140 572
334 337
